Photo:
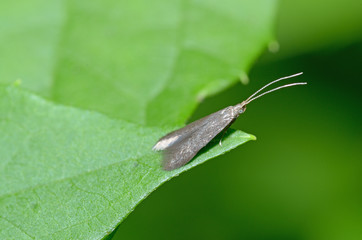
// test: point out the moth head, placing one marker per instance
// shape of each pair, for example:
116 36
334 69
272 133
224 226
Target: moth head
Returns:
240 108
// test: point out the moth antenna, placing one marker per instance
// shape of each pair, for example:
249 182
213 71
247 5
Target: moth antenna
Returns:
274 89
267 85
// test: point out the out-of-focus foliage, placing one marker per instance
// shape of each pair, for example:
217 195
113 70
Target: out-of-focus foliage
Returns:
307 26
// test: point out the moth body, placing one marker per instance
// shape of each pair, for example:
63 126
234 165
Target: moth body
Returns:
181 145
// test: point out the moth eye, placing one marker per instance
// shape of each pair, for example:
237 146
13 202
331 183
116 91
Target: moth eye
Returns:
242 110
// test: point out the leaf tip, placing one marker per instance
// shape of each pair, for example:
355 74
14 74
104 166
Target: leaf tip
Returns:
252 137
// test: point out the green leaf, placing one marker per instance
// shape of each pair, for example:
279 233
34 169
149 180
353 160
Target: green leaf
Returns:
74 174
131 59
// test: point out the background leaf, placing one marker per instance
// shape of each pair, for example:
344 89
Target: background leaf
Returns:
154 55
71 174
130 59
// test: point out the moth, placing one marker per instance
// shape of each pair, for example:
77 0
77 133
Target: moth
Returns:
181 145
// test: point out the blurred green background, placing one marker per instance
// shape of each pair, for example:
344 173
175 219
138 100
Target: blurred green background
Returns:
301 179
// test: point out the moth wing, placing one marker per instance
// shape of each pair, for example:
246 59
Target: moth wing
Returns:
179 134
196 136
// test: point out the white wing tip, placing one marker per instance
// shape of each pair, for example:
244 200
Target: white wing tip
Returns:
157 147
164 143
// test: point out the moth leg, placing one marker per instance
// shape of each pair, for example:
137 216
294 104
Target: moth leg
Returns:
222 135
